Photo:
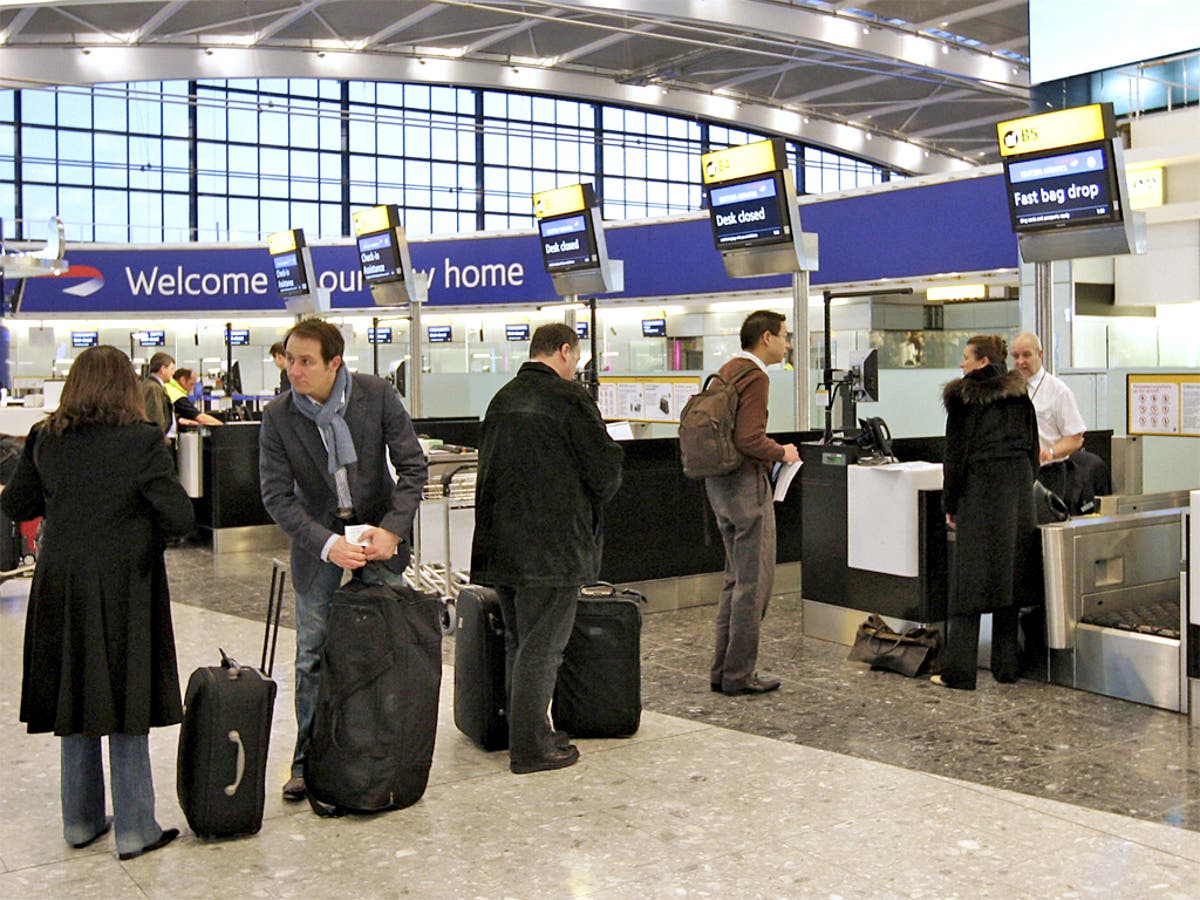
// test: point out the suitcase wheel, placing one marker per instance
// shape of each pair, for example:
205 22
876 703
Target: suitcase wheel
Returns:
325 810
449 617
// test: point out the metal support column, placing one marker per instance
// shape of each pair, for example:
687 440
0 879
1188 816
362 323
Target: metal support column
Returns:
800 342
414 358
1043 294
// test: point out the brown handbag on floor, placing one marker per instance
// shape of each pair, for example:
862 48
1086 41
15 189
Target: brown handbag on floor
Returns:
911 653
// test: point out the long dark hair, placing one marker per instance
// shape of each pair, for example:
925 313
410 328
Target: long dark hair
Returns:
101 389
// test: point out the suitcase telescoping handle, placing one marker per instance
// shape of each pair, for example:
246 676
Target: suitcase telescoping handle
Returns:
279 571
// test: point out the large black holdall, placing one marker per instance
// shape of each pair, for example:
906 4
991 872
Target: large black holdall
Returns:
225 734
377 704
479 696
599 689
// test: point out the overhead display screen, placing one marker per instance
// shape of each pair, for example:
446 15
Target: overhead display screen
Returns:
654 327
85 338
516 332
379 258
379 335
440 334
581 330
1063 189
152 338
568 243
290 277
237 337
749 212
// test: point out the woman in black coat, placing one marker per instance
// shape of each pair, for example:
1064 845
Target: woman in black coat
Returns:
987 494
99 647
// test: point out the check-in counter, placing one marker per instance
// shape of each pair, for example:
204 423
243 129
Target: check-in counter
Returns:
874 537
230 506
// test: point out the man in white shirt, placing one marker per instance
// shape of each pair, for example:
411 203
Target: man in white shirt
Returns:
1060 426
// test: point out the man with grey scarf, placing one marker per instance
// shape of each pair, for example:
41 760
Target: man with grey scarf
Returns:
323 466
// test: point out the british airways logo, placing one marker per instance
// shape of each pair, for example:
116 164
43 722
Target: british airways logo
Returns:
94 282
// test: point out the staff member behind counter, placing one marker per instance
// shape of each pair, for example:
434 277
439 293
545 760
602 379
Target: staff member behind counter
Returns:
179 392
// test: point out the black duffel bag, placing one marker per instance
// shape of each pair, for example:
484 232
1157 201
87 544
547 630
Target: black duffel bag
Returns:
911 653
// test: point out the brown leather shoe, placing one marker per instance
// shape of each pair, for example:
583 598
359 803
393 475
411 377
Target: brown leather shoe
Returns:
558 759
756 685
294 790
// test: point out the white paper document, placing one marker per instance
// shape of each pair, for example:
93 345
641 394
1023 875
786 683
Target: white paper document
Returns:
783 473
620 431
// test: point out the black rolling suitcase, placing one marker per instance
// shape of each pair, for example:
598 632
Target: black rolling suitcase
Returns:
479 696
377 704
226 731
599 689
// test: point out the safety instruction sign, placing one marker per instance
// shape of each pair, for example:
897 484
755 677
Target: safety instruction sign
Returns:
645 398
1162 403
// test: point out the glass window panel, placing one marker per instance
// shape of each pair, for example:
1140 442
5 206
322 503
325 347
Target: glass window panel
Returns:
443 99
273 85
612 118
416 96
495 222
211 219
331 220
362 170
614 160
8 101
175 117
362 132
330 89
495 181
443 177
112 210
520 107
391 136
362 92
330 127
75 109
418 222
520 183
417 180
175 164
390 173
243 220
76 202
466 146
656 164
274 216
37 107
305 87
494 147
445 222
389 94
74 146
211 120
303 124
145 114
518 152
495 104
305 183
544 151
273 177
416 141
41 202
543 110
39 149
273 127
243 124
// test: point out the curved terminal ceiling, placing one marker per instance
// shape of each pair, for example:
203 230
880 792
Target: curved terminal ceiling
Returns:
915 85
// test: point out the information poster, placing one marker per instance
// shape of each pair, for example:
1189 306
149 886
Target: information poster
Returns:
1163 404
646 398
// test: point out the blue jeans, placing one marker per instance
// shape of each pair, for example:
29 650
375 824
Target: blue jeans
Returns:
312 622
82 783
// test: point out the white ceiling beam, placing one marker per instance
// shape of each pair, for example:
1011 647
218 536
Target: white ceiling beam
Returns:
151 25
277 25
973 11
18 22
603 43
502 34
400 25
952 127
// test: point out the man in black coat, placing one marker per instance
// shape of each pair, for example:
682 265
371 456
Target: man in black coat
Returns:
547 467
322 462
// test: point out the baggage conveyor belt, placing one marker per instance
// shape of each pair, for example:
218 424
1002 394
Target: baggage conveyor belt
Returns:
1160 619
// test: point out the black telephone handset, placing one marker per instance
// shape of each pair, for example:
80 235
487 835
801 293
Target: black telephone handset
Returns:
876 437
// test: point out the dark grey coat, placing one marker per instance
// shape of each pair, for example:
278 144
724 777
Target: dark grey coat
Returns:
99 647
300 494
547 467
990 463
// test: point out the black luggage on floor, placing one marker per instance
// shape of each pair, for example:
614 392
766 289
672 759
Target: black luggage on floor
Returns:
599 689
225 734
377 704
479 697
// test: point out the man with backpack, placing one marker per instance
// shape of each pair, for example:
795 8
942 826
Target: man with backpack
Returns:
744 507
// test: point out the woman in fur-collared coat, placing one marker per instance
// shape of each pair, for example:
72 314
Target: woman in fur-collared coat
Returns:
987 494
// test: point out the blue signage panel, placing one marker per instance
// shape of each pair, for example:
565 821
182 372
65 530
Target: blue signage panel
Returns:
959 226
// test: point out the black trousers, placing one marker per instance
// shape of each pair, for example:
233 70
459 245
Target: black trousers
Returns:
960 656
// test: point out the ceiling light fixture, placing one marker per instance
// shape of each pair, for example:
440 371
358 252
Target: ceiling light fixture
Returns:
945 49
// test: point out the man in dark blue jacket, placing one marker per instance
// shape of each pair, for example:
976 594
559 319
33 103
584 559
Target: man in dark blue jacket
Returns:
547 467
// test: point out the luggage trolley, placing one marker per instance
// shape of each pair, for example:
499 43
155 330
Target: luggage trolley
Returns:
442 532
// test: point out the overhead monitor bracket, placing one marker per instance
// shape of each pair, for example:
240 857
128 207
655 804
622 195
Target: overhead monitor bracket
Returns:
771 241
50 260
385 260
295 277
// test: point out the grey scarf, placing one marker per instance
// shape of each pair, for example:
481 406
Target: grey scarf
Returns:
329 421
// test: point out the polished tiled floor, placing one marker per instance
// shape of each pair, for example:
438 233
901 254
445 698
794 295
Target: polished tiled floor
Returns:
846 783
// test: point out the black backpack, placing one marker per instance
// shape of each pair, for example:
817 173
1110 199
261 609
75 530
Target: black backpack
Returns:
706 427
377 704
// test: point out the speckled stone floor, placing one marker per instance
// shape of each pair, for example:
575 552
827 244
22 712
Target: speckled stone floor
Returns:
845 783
1035 738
